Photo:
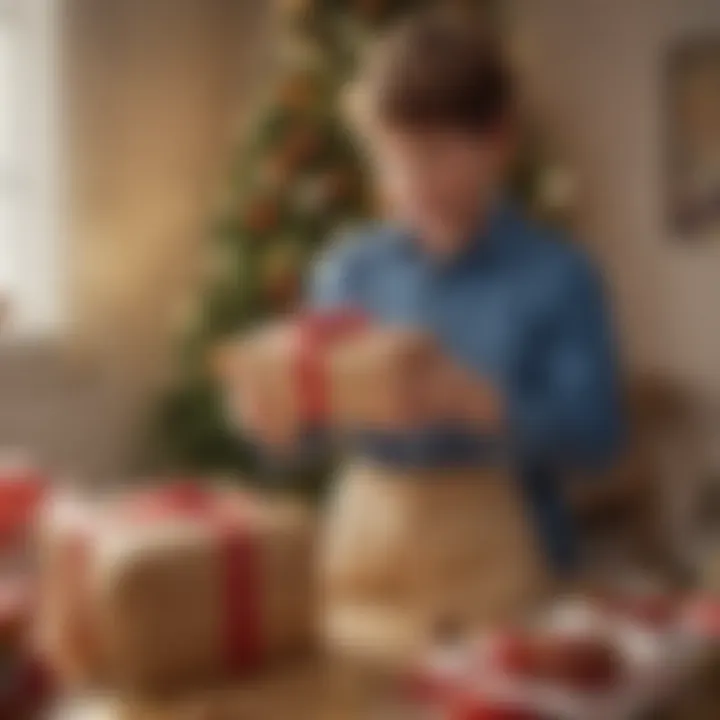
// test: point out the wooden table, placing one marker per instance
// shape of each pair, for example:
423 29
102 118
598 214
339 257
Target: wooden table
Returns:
314 691
306 691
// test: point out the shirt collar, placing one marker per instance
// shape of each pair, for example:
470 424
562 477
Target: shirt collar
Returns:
487 242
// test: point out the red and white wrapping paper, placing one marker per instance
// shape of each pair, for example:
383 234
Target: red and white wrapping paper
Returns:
461 682
22 487
175 585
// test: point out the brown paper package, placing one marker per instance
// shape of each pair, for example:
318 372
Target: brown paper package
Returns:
406 556
147 613
378 380
374 378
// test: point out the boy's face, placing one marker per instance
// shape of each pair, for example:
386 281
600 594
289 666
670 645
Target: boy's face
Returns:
440 182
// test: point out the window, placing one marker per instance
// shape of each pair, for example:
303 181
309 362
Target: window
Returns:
29 218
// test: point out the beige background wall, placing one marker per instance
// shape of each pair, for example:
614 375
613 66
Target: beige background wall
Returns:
155 93
598 65
158 89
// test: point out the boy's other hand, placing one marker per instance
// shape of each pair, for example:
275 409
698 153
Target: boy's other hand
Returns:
460 395
245 401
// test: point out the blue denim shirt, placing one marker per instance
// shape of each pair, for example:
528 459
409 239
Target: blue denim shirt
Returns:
523 309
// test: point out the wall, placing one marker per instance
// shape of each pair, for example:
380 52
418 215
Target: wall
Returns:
596 67
154 94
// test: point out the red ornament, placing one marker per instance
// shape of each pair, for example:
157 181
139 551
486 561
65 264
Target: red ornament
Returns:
262 216
340 184
302 145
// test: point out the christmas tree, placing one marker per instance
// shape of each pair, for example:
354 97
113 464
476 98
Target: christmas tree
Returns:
296 180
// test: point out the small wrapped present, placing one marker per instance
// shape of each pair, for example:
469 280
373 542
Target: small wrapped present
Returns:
283 370
328 370
382 380
22 487
174 585
578 661
409 555
25 684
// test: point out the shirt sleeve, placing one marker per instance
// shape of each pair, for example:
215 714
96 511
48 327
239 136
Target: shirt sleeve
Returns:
334 277
565 407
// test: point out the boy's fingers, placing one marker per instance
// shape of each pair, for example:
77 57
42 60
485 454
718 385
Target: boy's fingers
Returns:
226 361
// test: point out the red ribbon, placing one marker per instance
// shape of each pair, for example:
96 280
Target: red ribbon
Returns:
244 640
703 616
21 494
471 707
316 333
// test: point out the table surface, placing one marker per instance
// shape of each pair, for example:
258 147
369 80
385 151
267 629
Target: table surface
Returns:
303 691
312 691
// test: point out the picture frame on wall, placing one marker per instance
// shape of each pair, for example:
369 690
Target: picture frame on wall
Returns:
693 138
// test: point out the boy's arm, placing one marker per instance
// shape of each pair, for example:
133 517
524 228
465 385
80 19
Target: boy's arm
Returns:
564 407
334 277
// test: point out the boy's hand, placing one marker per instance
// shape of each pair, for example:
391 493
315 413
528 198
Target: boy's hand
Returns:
459 395
245 401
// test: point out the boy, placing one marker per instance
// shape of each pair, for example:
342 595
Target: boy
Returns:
520 309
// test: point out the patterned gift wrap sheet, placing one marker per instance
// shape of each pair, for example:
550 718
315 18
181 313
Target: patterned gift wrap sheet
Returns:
658 664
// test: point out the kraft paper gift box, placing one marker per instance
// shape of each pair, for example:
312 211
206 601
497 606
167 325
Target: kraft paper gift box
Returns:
303 690
409 554
381 380
283 366
329 371
176 585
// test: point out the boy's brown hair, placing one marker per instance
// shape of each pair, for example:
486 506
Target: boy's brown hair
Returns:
439 69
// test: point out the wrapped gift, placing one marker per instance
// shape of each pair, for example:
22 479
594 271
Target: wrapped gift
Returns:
285 365
409 555
22 486
329 370
169 586
579 661
25 684
382 380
